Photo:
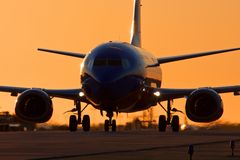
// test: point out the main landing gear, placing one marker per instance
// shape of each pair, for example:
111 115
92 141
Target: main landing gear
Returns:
110 123
169 120
74 120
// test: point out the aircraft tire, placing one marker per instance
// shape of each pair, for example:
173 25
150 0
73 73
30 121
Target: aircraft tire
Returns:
86 123
106 125
162 123
73 123
175 123
114 126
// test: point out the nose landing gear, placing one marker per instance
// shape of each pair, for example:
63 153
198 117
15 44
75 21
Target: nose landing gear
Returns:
170 120
110 123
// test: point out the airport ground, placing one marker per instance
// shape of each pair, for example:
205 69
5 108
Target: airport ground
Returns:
98 145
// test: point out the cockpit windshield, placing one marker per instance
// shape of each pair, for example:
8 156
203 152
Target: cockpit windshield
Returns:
100 62
111 62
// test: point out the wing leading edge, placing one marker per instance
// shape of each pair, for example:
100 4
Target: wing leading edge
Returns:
72 94
168 93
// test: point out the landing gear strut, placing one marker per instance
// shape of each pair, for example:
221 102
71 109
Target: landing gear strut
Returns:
169 120
74 120
110 123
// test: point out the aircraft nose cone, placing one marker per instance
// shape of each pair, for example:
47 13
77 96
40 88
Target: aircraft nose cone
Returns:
107 93
107 76
111 93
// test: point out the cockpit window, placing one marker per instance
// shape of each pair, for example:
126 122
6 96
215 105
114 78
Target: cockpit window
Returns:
107 62
114 62
100 62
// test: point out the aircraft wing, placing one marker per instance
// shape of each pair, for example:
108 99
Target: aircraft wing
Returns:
194 55
72 94
167 93
72 54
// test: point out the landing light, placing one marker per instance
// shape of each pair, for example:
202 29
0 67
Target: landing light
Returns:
183 127
157 93
81 94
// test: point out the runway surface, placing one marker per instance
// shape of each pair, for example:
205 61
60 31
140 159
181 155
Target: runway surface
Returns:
140 145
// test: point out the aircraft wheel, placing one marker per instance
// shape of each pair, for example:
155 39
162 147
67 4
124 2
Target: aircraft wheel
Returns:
175 124
106 126
73 123
162 123
86 123
114 126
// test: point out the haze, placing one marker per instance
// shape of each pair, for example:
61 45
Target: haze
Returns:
168 28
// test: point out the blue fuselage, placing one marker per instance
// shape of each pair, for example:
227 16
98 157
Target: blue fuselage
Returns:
115 77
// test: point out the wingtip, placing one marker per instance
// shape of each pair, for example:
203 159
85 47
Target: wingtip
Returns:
40 49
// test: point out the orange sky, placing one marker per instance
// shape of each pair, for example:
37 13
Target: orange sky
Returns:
168 28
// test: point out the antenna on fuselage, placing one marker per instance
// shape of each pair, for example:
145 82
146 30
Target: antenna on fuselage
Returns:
136 24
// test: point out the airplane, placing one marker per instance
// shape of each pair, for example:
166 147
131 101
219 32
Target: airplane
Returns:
121 77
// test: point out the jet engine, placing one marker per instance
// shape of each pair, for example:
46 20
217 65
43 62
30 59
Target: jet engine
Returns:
204 105
34 105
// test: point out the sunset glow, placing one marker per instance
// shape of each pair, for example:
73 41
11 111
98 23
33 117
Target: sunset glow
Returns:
168 28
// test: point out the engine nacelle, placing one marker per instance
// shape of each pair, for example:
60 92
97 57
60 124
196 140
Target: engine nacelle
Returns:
34 105
204 105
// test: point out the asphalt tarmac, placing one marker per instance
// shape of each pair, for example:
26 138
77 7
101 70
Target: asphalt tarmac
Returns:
98 145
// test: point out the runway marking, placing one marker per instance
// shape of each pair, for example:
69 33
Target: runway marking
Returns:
131 150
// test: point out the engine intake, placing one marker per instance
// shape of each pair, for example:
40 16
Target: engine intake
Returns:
204 105
34 105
